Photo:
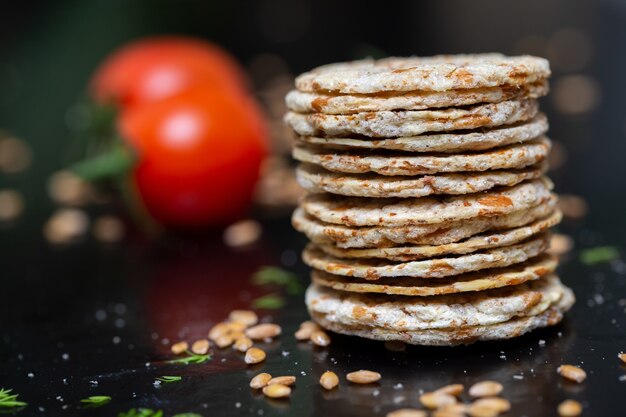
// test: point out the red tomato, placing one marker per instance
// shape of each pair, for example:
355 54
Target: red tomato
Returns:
155 68
199 156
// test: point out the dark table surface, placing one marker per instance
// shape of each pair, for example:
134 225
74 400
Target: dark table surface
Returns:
90 319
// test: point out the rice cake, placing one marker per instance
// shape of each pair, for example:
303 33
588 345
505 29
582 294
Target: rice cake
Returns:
393 124
475 243
436 73
374 269
424 234
318 102
453 142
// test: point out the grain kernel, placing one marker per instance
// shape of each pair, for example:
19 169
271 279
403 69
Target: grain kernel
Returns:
224 340
407 412
434 400
180 347
276 391
200 347
485 389
482 411
450 410
304 333
320 338
454 389
263 331
283 380
309 324
242 343
622 356
254 355
246 317
570 408
363 377
498 404
260 380
218 330
329 380
571 372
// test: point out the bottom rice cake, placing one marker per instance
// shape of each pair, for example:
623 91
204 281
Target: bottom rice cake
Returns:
443 320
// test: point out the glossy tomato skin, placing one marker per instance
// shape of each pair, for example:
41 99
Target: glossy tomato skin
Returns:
155 68
199 155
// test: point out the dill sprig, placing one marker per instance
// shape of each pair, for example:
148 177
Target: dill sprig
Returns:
269 301
278 276
141 412
8 400
166 379
96 400
191 358
598 255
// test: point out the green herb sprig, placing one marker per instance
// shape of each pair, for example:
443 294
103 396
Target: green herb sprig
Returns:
278 276
191 358
141 412
10 401
599 255
166 379
96 400
269 301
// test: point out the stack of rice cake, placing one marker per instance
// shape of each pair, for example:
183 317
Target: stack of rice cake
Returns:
428 208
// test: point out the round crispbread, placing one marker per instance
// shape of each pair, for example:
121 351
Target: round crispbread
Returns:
423 287
429 234
404 313
355 211
472 244
443 142
315 179
316 102
457 335
374 269
515 156
394 124
436 73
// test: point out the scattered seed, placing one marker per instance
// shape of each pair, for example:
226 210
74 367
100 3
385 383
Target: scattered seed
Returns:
235 327
482 411
66 225
66 188
11 205
485 389
218 330
570 408
309 324
303 333
622 356
395 345
407 412
320 338
363 377
242 343
571 372
435 399
276 391
15 154
283 380
200 347
454 389
180 347
263 331
108 229
573 206
224 340
450 410
242 233
246 317
329 380
260 380
498 404
560 244
254 355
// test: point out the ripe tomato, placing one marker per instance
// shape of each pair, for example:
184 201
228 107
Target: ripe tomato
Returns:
155 68
199 154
